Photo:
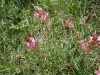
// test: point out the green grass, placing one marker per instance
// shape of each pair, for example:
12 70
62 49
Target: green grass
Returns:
64 55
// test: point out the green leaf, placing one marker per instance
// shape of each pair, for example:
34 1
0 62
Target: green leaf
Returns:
27 55
77 72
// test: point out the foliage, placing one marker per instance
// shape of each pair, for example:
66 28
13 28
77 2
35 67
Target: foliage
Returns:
64 55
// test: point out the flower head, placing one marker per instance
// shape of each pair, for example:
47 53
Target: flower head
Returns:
30 42
38 12
69 23
97 72
41 14
44 16
92 43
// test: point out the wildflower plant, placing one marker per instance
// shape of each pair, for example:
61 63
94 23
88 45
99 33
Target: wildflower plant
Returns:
41 14
30 42
55 43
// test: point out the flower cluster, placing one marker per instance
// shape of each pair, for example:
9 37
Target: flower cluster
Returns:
41 14
92 43
69 23
30 42
97 72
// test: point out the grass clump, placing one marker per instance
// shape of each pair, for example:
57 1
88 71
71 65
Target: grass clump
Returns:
62 37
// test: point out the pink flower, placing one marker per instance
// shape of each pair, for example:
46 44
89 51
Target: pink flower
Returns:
31 43
38 12
98 38
92 43
83 46
44 16
41 14
97 72
69 23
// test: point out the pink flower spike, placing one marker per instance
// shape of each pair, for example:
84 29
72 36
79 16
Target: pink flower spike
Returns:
38 12
69 23
41 14
44 16
31 44
97 72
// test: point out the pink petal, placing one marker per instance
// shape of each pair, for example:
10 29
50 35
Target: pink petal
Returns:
31 44
90 39
80 42
39 10
84 47
98 38
69 23
44 16
36 14
97 72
